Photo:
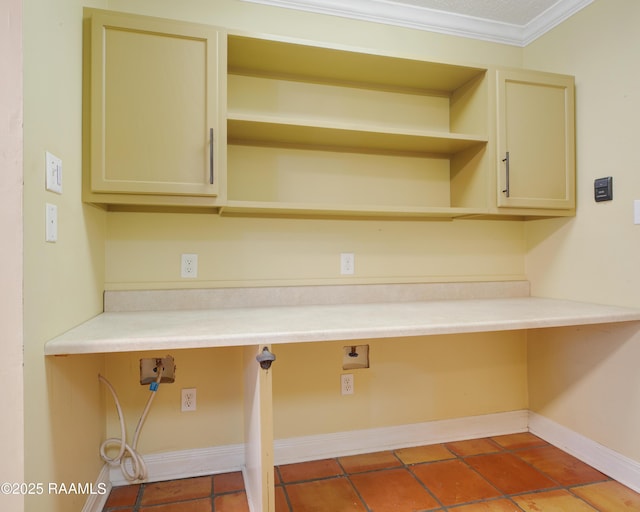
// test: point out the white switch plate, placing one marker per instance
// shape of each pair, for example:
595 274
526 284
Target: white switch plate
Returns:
51 226
53 167
636 211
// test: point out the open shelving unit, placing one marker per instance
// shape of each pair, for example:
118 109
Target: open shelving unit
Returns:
323 130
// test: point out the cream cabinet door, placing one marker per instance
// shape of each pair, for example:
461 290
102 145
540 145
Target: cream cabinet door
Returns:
536 141
154 106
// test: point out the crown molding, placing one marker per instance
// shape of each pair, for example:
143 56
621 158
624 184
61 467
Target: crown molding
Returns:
421 18
551 18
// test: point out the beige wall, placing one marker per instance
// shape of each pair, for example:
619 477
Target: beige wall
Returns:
410 380
143 251
598 45
587 379
11 375
63 282
217 375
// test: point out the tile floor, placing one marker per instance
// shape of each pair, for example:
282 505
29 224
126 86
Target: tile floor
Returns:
511 473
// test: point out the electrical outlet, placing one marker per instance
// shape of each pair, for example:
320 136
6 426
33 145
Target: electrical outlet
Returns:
189 266
347 263
149 370
346 379
188 400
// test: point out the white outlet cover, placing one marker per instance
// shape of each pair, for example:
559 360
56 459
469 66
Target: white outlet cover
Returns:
347 263
188 400
189 266
53 169
346 381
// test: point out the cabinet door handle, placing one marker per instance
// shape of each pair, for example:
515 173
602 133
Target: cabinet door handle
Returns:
506 181
211 156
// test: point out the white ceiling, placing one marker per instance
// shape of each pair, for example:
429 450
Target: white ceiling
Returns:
516 22
517 12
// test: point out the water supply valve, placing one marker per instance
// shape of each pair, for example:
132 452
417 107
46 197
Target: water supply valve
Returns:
149 370
265 358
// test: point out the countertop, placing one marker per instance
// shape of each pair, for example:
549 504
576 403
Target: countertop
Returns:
128 331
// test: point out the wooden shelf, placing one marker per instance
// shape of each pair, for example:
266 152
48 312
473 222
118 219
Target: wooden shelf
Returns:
274 131
284 209
291 60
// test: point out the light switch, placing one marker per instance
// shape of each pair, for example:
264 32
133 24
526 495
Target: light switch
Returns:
53 169
51 228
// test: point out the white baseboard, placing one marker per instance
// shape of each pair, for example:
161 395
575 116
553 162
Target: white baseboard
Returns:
300 449
96 502
207 461
187 463
611 463
222 459
172 466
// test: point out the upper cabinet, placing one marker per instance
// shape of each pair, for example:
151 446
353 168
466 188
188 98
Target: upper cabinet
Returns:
155 108
536 145
183 114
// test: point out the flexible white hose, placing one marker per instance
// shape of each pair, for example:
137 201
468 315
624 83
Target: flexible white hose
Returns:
127 452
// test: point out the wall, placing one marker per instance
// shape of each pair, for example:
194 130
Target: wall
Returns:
217 374
410 380
143 251
11 375
63 282
587 379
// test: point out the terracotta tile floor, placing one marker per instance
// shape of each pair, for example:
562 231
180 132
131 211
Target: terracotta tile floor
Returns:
512 473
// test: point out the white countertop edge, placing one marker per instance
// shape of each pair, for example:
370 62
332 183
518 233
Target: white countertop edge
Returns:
165 330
